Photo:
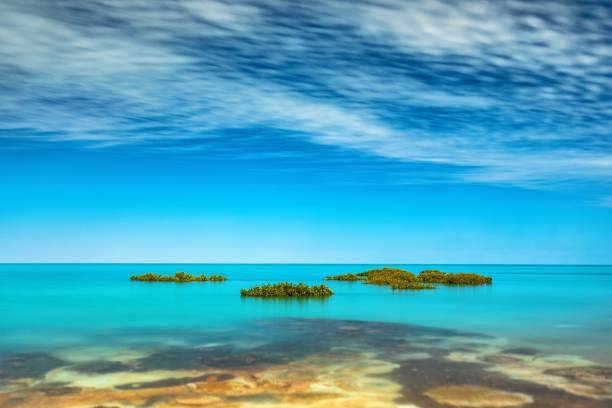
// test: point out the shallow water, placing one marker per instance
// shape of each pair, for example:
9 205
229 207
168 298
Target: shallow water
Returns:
75 335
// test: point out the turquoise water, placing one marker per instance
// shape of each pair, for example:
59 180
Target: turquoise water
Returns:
558 308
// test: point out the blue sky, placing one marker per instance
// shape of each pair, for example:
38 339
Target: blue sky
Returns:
332 131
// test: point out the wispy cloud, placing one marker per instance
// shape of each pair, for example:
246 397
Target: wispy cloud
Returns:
506 92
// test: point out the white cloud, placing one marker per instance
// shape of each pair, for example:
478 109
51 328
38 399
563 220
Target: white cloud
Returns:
228 15
162 65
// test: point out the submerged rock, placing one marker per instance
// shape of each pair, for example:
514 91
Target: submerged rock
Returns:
521 351
27 365
100 367
597 377
170 382
561 373
476 396
500 359
317 381
322 363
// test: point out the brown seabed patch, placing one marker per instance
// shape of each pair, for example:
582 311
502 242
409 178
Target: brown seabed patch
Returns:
316 381
570 374
420 377
476 396
318 363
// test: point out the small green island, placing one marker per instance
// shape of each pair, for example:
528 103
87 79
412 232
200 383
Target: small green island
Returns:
447 278
287 290
400 279
346 277
178 277
395 278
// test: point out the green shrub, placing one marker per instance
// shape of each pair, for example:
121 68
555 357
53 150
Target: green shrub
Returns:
467 279
401 279
151 277
396 278
432 276
435 276
386 276
404 285
286 289
345 277
216 278
179 277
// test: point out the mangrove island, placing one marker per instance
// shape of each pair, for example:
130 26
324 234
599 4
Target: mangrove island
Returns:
401 279
286 289
447 278
179 277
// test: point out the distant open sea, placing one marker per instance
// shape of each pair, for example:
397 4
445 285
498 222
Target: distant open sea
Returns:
92 313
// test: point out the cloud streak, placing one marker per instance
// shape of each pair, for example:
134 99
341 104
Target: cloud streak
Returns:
503 92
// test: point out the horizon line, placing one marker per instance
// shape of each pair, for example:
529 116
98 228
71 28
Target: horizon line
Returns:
302 263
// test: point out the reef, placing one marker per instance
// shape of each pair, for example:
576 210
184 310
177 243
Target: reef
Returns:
179 277
317 381
27 365
286 289
310 363
476 396
571 374
595 379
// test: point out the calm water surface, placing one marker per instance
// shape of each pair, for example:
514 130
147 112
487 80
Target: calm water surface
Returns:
81 308
551 306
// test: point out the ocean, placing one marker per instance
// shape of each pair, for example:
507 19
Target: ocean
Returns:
79 334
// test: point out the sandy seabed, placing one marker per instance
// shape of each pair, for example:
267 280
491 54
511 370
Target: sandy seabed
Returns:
309 363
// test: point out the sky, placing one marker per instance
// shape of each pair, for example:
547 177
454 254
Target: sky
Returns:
321 131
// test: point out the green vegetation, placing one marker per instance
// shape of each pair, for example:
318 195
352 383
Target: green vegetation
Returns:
179 277
432 276
286 289
467 279
387 276
346 277
407 285
398 279
404 280
435 276
216 278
